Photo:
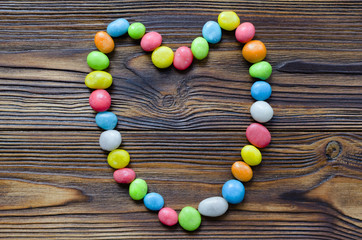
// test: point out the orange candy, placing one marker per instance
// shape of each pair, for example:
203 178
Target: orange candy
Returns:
104 42
254 51
242 171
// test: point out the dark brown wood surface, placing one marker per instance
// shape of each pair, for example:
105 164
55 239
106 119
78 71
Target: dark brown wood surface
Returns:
183 129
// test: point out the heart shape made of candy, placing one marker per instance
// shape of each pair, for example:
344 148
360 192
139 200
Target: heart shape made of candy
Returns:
254 51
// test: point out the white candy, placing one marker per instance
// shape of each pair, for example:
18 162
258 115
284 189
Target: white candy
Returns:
110 140
261 111
213 206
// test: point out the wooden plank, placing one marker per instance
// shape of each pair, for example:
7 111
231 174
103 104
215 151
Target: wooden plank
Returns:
304 25
306 187
49 93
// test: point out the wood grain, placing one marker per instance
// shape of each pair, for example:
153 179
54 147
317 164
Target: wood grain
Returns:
303 180
208 97
183 129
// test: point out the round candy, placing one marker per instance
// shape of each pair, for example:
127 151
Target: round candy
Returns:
254 51
136 30
118 27
183 58
200 48
242 171
258 135
150 41
245 32
97 60
104 42
213 206
189 218
98 80
106 120
261 111
162 57
261 90
118 158
138 189
110 140
100 100
168 216
212 32
261 70
251 155
228 20
233 191
124 175
153 201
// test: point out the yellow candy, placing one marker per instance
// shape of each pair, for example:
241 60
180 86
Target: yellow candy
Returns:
118 158
98 80
162 57
228 20
251 155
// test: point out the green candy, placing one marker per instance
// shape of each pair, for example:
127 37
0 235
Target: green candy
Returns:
261 70
200 48
189 218
136 30
97 60
138 189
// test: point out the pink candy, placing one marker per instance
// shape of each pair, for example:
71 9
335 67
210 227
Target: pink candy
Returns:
100 100
124 175
168 216
183 58
150 41
258 135
245 32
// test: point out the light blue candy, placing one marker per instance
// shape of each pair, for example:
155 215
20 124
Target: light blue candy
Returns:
106 120
233 191
212 32
261 90
118 27
153 201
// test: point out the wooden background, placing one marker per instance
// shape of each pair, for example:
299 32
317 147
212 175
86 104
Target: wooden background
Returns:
183 129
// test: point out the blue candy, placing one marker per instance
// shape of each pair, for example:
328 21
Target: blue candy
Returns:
153 201
118 27
233 191
261 90
212 32
106 120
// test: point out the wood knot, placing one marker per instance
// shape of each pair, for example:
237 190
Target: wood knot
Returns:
333 149
168 101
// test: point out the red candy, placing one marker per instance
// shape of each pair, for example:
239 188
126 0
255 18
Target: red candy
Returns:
183 58
100 100
150 41
124 175
258 135
168 216
245 32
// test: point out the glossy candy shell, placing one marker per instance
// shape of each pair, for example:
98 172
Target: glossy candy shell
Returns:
138 189
118 27
100 100
168 216
233 191
150 41
189 218
258 135
254 51
183 58
153 201
211 31
124 175
104 42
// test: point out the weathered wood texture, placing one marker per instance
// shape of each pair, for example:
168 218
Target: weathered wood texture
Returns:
182 129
